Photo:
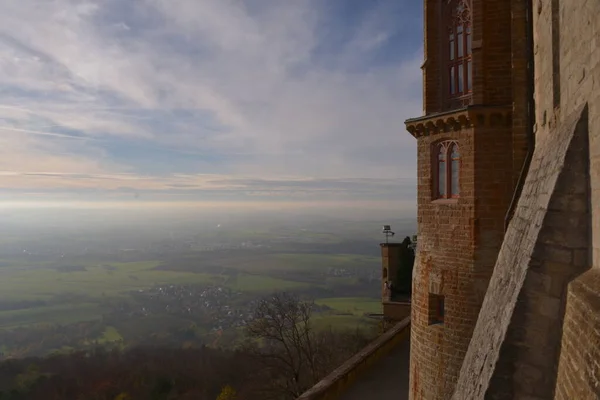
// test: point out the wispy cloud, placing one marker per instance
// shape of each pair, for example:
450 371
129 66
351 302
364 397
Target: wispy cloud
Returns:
222 98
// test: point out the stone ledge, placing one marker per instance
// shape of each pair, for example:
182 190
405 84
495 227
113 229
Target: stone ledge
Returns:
396 310
332 386
458 119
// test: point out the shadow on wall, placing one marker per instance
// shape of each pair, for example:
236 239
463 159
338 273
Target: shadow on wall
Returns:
516 345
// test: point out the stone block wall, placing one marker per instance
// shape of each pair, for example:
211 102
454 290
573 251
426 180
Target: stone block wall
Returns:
516 344
580 83
579 367
577 53
543 58
520 91
578 80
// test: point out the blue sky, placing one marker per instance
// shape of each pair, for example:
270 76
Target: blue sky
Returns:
209 100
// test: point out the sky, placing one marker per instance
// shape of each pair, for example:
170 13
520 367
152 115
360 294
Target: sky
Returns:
209 102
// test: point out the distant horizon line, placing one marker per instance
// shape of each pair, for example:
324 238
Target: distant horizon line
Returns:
393 206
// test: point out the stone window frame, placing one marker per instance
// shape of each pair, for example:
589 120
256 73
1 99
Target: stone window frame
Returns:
447 149
457 52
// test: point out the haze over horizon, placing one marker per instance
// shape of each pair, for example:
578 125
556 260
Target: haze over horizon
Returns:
260 104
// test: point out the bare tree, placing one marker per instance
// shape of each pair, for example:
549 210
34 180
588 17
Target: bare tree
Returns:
293 354
285 342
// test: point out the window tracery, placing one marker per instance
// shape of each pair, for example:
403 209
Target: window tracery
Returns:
447 163
459 81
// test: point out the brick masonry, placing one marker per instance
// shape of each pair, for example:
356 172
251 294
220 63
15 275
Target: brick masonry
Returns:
515 347
459 239
442 226
530 338
390 263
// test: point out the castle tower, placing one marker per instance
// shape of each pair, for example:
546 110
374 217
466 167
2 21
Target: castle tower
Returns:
471 149
395 306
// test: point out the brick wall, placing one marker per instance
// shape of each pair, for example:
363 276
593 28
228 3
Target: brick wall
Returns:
459 241
458 244
445 252
390 263
431 66
495 67
494 187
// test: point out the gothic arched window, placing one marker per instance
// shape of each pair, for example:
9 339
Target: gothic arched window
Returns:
457 19
446 170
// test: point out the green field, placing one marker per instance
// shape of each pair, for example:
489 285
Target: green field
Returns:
104 281
261 283
59 314
19 282
302 262
111 334
358 306
351 322
95 281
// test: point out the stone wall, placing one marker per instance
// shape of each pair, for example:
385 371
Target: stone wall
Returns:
579 368
578 77
335 384
578 82
396 310
516 344
520 90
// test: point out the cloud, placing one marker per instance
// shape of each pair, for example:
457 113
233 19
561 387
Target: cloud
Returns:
243 98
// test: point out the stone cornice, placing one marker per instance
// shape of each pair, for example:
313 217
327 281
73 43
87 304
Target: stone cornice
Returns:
458 119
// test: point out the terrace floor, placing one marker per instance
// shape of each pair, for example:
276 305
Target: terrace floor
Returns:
387 380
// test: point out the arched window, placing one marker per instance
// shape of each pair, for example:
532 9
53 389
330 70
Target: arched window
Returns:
459 86
446 170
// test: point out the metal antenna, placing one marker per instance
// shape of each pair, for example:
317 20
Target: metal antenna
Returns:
387 231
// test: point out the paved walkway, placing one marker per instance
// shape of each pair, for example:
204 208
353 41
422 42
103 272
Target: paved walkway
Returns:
388 380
